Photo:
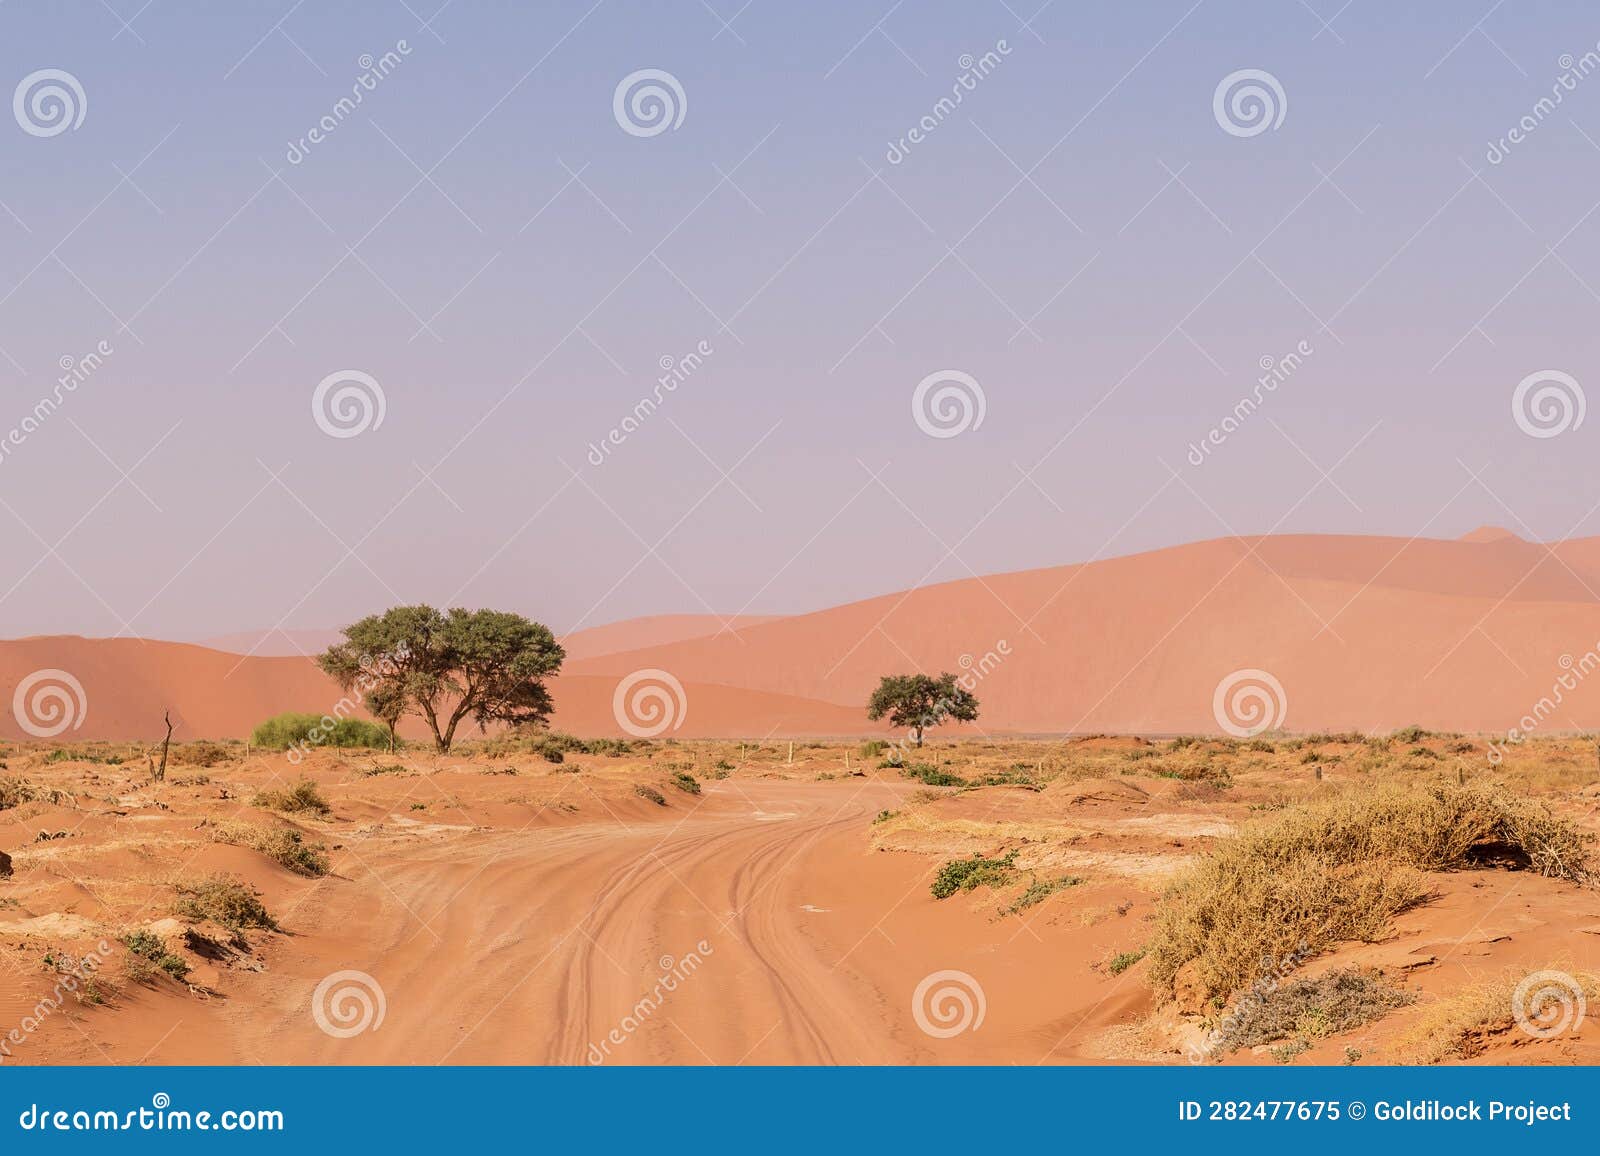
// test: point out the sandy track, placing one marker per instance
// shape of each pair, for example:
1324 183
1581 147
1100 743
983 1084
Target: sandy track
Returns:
539 946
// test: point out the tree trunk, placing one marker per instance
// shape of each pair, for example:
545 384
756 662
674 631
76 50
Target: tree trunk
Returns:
161 773
916 733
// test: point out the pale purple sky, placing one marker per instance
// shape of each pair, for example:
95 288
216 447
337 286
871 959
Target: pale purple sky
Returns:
480 235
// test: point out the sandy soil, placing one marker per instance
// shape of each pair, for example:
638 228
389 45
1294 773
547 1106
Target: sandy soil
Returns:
514 911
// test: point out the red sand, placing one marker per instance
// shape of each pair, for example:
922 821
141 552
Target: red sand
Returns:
1363 633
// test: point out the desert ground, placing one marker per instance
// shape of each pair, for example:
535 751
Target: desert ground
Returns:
546 900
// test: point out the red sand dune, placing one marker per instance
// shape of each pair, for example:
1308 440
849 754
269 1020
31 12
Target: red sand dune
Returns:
1363 633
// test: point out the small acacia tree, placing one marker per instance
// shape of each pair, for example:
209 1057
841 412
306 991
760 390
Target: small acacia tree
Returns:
487 665
920 701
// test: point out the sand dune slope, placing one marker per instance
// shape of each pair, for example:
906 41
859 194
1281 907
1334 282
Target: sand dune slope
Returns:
1360 632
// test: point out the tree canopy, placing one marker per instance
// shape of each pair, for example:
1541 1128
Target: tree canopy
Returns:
446 666
919 701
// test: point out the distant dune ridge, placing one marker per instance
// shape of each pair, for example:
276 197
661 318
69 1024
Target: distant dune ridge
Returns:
1361 633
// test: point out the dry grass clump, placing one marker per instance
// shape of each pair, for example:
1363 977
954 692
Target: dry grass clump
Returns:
303 796
200 754
284 846
1339 869
1304 1010
224 900
14 792
1463 1024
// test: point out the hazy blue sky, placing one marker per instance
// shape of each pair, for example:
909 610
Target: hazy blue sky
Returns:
483 238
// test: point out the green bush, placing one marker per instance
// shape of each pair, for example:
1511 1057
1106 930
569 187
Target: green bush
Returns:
292 728
224 900
146 945
684 781
932 776
969 874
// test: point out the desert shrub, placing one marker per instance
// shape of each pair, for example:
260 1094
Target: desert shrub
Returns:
1459 1025
303 796
1412 734
684 781
553 746
198 754
283 845
291 728
224 900
884 816
872 748
1037 891
932 776
1304 1010
14 792
650 793
147 946
1019 775
1123 960
1339 869
970 874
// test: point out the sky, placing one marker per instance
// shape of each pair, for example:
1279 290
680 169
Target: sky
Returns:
1090 257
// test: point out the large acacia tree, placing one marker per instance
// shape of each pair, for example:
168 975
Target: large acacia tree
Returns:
920 701
446 666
